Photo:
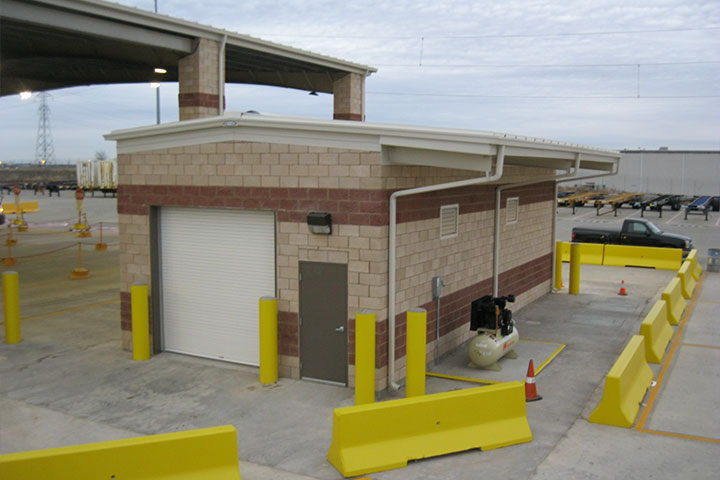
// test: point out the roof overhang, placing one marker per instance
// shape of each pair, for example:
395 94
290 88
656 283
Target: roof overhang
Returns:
48 44
399 144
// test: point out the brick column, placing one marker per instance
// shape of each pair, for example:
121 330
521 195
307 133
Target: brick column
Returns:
198 79
349 97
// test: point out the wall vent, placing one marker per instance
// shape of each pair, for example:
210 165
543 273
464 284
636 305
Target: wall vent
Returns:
449 216
511 210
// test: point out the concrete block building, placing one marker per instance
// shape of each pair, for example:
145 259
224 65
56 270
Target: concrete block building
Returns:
214 212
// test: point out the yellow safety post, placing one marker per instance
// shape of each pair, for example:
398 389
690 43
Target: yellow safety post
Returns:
268 340
364 357
11 299
9 261
16 191
10 240
79 196
140 322
100 246
416 348
558 266
85 232
79 271
575 259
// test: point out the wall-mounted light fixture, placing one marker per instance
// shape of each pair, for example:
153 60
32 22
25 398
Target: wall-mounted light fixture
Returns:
320 223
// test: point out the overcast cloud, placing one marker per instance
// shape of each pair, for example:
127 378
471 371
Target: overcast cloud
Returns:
607 73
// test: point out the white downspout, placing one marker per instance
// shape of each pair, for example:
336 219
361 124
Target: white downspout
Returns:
498 195
499 165
221 76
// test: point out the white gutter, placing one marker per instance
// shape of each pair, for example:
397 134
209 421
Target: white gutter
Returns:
498 206
499 164
221 76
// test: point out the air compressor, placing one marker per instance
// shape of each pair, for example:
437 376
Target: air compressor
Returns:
497 335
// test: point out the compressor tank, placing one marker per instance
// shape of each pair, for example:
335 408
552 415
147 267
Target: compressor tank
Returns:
486 349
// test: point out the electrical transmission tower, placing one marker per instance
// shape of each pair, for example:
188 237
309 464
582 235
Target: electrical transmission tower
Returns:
44 150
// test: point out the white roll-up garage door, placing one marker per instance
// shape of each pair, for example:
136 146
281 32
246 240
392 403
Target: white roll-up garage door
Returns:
215 265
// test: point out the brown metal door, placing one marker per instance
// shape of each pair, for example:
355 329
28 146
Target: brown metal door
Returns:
323 322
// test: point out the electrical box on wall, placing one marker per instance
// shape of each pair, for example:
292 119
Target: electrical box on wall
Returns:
437 287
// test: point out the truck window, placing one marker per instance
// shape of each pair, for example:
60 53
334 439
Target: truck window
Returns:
654 228
637 227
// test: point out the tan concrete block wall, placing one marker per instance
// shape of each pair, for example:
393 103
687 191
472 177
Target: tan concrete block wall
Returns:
134 250
362 248
529 238
461 261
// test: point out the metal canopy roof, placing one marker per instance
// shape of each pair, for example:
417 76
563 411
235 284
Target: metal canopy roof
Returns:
399 144
49 44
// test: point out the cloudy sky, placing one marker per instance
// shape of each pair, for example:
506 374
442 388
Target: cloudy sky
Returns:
607 73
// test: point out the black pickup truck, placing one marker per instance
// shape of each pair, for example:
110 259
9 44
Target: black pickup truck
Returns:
634 231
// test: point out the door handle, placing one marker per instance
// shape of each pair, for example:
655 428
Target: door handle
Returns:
340 329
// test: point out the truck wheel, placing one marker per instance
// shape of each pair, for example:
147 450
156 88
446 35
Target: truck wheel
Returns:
675 207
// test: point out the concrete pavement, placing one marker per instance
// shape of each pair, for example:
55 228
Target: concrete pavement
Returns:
69 382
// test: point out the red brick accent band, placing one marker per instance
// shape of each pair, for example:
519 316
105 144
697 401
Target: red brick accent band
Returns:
197 99
348 207
288 334
348 116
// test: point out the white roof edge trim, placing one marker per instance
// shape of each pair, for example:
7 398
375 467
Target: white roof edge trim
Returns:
179 26
363 133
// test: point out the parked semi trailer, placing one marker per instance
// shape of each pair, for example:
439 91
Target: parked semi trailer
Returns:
97 175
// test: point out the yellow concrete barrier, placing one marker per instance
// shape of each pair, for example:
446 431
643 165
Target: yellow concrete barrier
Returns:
657 332
268 340
654 257
9 208
625 386
592 253
29 207
687 281
206 453
696 268
675 301
380 436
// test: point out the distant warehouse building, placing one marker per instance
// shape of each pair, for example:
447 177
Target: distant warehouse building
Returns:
331 217
664 171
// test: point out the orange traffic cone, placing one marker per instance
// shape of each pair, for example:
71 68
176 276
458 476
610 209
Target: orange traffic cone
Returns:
622 289
531 394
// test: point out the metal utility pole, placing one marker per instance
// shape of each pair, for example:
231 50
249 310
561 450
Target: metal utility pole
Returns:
44 150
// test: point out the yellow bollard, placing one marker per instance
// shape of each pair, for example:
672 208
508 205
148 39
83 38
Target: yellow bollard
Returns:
268 340
140 322
364 357
575 268
558 266
11 298
416 348
100 246
80 271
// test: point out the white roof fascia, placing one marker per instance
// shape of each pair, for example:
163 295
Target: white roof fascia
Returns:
136 16
393 140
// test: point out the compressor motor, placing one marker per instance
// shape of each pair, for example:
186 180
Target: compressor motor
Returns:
496 330
491 313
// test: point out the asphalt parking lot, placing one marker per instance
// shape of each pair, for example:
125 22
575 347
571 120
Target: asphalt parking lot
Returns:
69 381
